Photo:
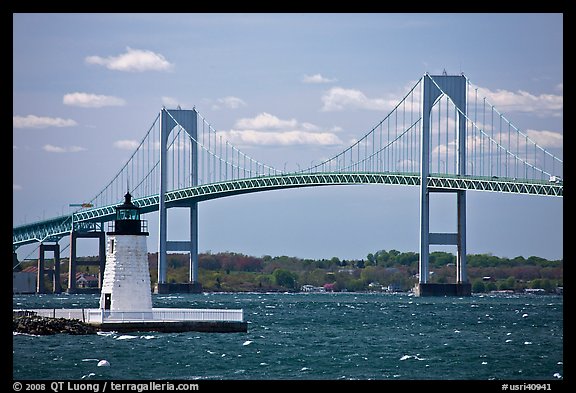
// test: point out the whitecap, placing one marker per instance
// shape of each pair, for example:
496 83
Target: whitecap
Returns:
456 331
405 357
125 337
103 363
263 364
305 369
90 360
557 375
247 342
210 352
508 340
527 342
25 334
147 337
105 333
88 375
524 315
484 362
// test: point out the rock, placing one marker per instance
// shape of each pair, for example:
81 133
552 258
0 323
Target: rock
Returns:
36 325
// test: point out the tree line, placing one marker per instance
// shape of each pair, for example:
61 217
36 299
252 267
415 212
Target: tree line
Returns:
228 271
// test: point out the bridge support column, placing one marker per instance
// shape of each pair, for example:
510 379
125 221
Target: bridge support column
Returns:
188 120
53 273
73 263
433 88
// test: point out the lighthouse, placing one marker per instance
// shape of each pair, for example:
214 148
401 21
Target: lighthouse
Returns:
126 284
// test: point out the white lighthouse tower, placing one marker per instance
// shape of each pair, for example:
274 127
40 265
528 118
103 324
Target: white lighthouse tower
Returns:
126 284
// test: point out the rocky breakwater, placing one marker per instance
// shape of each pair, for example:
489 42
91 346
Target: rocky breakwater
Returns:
33 324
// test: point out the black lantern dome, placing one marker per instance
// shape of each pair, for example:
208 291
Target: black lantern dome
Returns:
127 220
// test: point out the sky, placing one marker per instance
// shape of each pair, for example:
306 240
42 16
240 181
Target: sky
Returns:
296 88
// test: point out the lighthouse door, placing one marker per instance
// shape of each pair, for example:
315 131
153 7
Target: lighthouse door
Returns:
107 301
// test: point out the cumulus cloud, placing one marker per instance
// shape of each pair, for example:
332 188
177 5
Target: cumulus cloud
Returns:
126 144
339 98
265 121
522 101
267 129
170 102
62 149
88 100
228 102
32 121
546 138
286 138
317 78
133 60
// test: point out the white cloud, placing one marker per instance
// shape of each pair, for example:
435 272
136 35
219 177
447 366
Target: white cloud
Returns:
265 121
560 87
126 144
87 100
317 78
338 98
170 102
228 102
32 121
521 101
267 129
545 138
296 137
133 60
61 149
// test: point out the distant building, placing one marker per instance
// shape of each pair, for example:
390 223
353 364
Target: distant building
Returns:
24 282
85 280
312 288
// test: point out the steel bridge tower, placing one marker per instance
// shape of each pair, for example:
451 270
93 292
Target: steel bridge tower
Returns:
434 87
188 120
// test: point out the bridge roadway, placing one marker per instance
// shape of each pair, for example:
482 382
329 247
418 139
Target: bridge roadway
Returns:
58 227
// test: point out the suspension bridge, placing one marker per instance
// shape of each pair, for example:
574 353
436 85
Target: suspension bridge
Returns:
442 136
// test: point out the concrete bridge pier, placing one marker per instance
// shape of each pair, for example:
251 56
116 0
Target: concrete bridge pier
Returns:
53 273
74 263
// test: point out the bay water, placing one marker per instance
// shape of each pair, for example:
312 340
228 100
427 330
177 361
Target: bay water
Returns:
311 336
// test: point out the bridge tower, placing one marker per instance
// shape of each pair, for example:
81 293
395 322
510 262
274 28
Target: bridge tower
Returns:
434 87
188 120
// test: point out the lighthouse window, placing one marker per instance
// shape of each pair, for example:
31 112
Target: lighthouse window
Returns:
128 215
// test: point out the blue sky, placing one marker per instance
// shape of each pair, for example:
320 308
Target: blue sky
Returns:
84 82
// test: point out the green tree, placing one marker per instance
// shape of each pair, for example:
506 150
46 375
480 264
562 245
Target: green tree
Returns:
478 287
285 278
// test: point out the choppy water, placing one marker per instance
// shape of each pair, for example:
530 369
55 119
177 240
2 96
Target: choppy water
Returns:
315 336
